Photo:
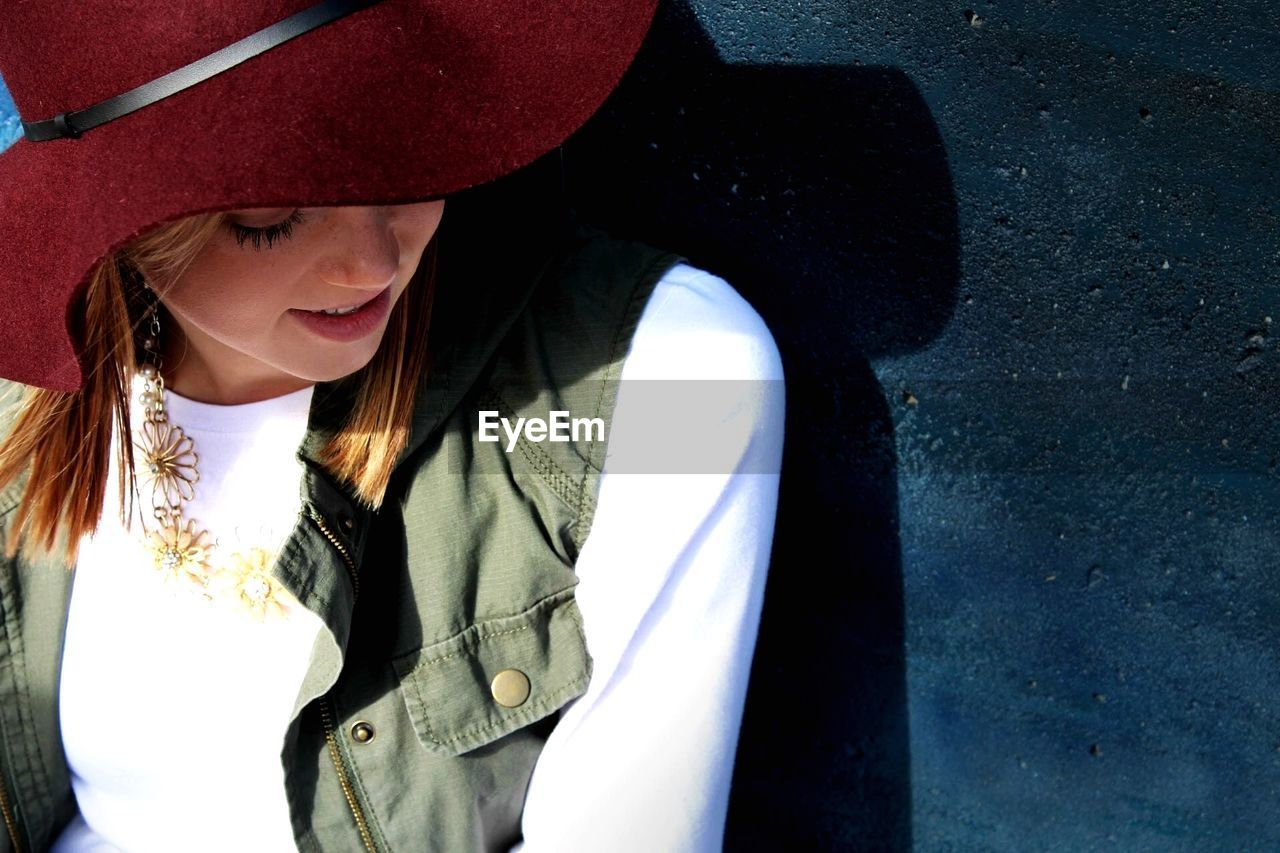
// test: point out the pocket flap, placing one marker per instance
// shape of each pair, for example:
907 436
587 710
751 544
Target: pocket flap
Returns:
496 676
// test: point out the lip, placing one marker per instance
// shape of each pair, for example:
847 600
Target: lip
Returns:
347 327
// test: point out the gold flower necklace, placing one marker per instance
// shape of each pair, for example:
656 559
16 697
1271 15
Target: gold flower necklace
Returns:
181 550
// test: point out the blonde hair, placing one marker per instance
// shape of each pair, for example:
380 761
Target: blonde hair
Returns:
62 441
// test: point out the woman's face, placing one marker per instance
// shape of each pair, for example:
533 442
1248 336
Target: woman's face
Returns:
248 327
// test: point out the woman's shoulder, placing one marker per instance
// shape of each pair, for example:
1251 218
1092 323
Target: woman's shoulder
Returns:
696 325
703 324
725 409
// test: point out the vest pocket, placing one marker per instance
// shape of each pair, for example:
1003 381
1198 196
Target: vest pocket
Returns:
495 676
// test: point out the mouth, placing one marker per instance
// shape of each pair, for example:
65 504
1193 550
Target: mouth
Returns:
341 310
346 322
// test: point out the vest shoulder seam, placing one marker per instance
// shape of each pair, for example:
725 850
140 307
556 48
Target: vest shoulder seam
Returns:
658 266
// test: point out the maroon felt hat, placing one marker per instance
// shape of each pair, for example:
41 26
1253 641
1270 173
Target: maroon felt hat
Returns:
138 113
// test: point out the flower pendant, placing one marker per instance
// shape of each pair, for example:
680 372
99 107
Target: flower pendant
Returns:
246 583
170 463
180 553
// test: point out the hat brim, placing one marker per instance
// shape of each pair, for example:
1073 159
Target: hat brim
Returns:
403 101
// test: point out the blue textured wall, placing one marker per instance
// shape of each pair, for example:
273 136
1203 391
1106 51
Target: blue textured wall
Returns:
1022 261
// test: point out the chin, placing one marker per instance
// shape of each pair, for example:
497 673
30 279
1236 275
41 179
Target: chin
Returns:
334 372
333 362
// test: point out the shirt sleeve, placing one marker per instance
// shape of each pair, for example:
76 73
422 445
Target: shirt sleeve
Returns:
671 583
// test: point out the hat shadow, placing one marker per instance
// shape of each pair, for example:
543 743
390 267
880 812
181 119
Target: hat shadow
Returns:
823 195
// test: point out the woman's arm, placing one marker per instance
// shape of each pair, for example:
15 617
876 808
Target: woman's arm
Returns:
672 579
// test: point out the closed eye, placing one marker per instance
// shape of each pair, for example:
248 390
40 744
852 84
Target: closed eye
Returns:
270 233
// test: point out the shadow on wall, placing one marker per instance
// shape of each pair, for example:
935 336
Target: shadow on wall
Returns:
822 194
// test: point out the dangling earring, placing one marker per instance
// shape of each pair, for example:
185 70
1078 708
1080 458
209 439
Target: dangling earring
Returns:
169 464
183 552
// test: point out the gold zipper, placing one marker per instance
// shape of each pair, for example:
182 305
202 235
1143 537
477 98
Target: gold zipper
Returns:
327 715
328 534
10 823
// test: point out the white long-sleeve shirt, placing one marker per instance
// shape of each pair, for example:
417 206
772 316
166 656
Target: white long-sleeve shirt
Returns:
671 581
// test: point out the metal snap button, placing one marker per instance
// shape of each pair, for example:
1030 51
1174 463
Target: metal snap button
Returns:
510 688
362 731
346 522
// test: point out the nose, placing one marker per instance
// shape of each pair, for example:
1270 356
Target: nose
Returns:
363 252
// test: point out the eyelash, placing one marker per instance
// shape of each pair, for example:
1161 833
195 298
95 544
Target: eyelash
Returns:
281 230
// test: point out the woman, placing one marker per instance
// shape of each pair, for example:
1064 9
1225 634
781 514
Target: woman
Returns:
329 613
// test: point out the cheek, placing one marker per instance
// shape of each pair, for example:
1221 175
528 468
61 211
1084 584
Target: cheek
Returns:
227 302
423 219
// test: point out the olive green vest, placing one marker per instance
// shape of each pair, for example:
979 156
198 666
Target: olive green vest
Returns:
452 635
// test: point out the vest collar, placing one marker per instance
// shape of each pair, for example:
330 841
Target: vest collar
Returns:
481 292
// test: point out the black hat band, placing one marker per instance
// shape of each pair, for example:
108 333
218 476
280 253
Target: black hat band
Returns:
72 125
